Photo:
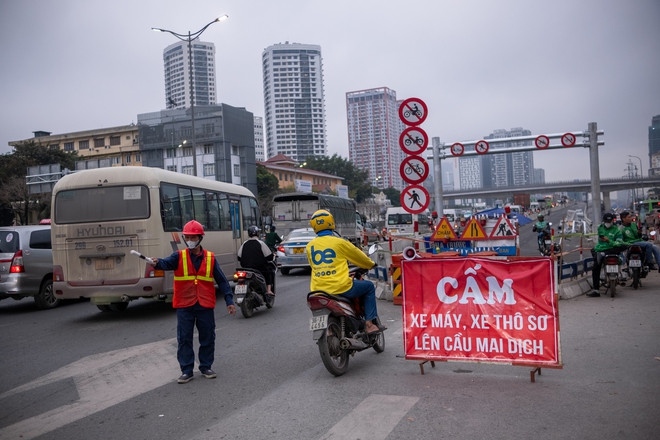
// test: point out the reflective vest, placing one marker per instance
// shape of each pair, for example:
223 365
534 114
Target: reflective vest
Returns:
191 286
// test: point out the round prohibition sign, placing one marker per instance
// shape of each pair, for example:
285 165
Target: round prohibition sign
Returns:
413 140
568 140
415 199
481 147
414 169
457 149
542 142
413 111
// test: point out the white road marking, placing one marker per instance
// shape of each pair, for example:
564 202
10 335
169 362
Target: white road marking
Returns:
372 419
102 380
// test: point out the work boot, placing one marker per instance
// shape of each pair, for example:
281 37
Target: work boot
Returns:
593 294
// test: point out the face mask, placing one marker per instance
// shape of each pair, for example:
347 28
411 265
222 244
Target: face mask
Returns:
192 244
608 225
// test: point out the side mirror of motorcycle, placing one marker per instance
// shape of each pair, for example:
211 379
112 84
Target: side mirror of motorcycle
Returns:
652 233
373 249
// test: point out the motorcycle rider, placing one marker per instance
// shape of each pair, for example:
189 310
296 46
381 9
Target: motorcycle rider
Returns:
631 235
610 239
542 227
272 238
328 257
255 254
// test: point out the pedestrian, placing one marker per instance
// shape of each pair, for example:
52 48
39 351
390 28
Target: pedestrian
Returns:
610 239
194 300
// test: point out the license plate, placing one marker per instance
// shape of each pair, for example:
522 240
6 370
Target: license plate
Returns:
240 288
611 268
104 264
548 242
298 250
635 263
318 322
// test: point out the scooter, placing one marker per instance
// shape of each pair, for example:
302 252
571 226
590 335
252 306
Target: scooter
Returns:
250 290
611 273
339 326
546 246
636 266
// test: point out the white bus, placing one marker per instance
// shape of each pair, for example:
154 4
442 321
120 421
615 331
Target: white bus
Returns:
99 216
401 222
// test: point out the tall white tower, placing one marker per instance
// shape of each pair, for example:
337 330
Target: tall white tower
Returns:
177 77
294 101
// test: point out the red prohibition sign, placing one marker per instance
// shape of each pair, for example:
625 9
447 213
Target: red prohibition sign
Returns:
415 199
414 169
413 140
542 142
457 149
481 147
413 111
568 140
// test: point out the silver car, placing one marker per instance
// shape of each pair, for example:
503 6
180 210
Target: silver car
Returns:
26 264
291 252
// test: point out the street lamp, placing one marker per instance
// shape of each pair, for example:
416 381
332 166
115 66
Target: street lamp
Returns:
189 38
295 174
641 174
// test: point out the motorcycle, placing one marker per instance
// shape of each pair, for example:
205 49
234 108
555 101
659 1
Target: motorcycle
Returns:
339 325
636 266
250 290
546 246
611 273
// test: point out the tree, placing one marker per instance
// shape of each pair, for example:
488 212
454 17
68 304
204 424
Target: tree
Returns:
267 187
15 199
356 179
394 195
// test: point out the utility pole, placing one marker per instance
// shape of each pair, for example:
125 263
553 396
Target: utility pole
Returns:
595 172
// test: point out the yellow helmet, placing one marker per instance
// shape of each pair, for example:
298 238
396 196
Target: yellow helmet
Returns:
322 220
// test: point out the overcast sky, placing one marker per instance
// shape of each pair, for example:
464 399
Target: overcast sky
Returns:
480 65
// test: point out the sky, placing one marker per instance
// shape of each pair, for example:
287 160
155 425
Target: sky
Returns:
479 65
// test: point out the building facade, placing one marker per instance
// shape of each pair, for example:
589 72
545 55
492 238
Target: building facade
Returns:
259 151
177 74
654 146
294 101
373 135
97 148
224 143
288 171
508 169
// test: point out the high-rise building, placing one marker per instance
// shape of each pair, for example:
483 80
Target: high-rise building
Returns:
294 101
177 74
259 152
373 135
654 144
508 169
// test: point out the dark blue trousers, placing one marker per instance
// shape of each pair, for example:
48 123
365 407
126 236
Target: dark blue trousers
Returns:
204 319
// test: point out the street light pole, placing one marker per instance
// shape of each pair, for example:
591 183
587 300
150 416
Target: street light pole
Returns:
641 174
189 38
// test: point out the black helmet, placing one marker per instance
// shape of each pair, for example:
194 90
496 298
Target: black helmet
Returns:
540 216
253 231
272 227
608 217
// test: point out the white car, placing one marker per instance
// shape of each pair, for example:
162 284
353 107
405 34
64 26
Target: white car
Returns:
291 252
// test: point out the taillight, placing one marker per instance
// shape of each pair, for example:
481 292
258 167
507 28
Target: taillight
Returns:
280 249
612 260
150 272
17 263
58 273
241 274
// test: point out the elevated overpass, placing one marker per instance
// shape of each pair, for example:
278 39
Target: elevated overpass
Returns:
606 187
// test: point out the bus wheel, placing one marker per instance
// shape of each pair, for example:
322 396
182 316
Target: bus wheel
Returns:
104 308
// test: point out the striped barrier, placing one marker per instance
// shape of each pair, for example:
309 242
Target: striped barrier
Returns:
395 272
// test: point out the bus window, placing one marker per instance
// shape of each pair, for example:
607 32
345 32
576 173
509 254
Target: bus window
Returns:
225 217
185 198
250 215
214 214
102 204
199 205
170 208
